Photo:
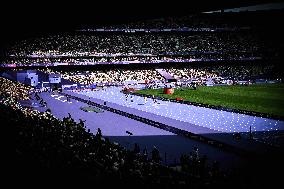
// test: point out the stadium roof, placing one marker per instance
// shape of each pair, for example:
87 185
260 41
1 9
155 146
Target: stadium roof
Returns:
266 6
109 11
30 18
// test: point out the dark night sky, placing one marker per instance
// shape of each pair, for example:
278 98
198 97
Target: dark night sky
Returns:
26 19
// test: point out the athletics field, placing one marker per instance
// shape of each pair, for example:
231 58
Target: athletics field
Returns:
263 98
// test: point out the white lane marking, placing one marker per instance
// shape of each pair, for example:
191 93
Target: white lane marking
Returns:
59 98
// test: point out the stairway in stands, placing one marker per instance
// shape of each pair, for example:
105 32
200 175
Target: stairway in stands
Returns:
165 74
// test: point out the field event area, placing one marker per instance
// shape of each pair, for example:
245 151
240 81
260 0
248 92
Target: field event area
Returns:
263 98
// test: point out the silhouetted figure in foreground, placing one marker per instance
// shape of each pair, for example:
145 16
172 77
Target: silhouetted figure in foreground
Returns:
99 133
136 149
156 155
145 154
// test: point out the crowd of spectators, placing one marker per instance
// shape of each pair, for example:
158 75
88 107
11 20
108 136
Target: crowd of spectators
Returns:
228 72
83 48
118 76
18 91
215 20
248 72
105 46
191 73
200 74
48 61
77 45
135 48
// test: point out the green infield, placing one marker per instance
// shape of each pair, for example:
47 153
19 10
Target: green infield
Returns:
263 98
